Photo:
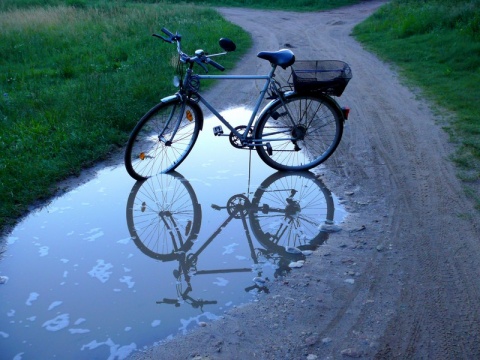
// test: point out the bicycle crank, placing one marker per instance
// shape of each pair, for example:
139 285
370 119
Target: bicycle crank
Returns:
235 140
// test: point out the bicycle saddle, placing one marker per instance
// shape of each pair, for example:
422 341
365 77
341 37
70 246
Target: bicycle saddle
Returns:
283 58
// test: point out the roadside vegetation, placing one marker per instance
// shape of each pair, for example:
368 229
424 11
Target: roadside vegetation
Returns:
436 45
76 75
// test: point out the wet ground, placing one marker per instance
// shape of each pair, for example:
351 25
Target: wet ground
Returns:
115 265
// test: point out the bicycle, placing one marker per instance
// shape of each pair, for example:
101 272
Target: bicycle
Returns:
298 129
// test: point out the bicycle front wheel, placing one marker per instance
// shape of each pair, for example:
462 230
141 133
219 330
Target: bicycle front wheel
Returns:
299 133
162 139
163 216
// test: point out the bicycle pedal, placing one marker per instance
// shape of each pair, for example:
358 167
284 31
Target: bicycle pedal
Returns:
269 149
217 130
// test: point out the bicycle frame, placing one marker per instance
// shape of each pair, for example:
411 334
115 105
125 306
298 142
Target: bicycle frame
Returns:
268 81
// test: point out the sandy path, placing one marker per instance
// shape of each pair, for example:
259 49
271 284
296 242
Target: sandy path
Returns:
411 246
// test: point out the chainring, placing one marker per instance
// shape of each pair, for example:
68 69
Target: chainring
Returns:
235 140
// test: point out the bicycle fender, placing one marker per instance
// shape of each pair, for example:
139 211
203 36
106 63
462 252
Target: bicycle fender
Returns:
321 96
332 102
190 103
267 107
289 94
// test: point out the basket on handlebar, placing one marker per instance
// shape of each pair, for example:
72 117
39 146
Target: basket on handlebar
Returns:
327 76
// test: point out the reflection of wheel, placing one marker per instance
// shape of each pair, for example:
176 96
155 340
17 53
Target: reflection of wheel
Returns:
238 203
163 216
288 210
300 134
151 149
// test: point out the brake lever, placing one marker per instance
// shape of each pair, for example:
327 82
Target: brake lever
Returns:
200 62
164 39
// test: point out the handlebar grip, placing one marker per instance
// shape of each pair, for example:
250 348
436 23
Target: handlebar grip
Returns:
215 64
167 32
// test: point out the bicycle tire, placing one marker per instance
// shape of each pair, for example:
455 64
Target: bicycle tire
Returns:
146 155
163 237
288 209
314 120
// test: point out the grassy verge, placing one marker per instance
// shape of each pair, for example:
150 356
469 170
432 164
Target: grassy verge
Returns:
74 81
436 43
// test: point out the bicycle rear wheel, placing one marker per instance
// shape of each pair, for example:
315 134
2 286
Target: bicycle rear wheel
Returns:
154 146
300 133
288 209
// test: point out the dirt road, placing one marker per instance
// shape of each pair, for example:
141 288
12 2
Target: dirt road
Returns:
402 278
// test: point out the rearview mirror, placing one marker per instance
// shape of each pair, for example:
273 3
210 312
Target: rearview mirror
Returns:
227 44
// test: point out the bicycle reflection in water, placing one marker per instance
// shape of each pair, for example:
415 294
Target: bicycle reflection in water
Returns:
285 216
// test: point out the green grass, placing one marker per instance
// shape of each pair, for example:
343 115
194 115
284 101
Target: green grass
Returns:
295 5
436 44
74 81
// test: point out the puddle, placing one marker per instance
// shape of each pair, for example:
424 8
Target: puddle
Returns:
114 266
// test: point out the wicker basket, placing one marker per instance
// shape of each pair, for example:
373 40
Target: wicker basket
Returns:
327 76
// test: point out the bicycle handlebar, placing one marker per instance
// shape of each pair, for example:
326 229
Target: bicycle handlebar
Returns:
171 37
215 64
199 58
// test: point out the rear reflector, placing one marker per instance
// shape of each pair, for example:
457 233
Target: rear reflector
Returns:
346 112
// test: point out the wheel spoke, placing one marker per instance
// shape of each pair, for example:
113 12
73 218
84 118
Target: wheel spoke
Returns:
154 146
313 137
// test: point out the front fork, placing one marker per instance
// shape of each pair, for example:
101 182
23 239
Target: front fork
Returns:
182 106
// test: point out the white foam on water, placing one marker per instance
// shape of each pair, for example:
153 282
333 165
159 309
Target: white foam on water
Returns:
96 233
100 271
221 281
11 240
196 320
31 298
79 321
229 249
155 323
58 323
55 304
124 241
117 352
43 250
128 281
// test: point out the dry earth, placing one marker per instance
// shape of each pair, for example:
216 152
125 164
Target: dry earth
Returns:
401 280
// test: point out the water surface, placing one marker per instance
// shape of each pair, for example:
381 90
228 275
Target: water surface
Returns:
114 266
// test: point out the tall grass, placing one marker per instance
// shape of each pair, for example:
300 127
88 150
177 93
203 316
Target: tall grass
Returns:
297 5
437 44
74 81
